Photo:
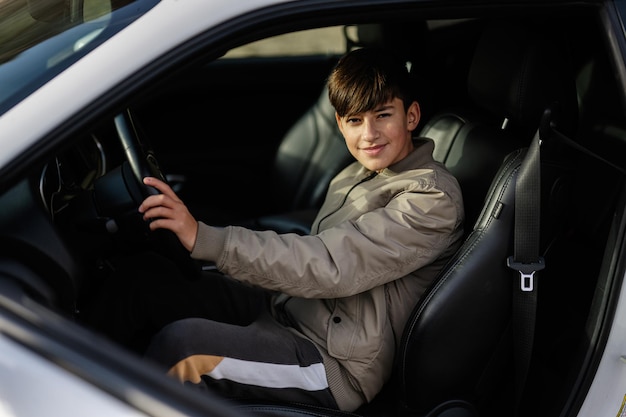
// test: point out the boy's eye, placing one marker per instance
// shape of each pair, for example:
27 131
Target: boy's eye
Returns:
353 119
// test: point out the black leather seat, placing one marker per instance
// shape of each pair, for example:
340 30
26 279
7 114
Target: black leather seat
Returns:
310 155
455 359
312 152
457 346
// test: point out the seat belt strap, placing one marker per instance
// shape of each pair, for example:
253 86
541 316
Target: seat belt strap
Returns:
526 259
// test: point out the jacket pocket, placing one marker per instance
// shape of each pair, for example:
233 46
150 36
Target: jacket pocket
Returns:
357 326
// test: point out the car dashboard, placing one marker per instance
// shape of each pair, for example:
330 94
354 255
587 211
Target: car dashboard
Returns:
58 224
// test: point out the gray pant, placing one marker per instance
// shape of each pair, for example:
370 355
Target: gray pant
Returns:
263 360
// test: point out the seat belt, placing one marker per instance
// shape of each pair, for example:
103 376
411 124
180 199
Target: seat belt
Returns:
526 259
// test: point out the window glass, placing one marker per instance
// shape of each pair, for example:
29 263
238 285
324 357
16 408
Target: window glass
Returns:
93 9
326 41
40 38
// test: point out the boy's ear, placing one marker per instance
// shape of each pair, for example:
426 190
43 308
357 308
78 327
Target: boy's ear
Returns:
413 116
338 119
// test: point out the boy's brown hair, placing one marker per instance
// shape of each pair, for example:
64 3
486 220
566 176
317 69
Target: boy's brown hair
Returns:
366 78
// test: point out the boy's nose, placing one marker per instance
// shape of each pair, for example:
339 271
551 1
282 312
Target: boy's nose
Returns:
369 130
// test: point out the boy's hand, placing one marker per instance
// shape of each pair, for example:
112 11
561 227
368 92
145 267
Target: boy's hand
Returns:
167 211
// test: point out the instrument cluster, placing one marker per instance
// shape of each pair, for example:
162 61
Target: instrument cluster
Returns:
71 173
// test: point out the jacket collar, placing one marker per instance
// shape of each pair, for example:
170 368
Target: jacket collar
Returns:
419 157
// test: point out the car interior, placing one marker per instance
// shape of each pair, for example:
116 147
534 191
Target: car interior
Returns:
519 99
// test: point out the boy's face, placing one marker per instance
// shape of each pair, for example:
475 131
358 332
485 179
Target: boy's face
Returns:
381 137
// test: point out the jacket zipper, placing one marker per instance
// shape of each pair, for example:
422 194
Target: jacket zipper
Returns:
345 197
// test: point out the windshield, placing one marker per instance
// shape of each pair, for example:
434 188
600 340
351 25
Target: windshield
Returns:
40 38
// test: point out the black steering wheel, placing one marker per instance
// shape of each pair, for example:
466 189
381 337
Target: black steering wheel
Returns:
141 162
139 153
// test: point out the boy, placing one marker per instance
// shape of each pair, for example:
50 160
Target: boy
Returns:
317 318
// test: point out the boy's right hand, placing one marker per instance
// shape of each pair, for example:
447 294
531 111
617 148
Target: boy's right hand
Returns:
167 211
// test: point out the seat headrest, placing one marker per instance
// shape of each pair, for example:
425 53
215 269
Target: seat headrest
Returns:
518 70
406 40
403 38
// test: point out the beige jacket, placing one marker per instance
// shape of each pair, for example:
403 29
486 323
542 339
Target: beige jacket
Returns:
376 244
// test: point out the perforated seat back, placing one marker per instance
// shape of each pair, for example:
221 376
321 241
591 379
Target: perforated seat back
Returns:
457 342
457 337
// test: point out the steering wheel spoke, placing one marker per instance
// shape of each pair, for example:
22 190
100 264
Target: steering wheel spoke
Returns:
139 153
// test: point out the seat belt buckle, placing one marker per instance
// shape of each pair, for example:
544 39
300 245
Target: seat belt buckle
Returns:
526 271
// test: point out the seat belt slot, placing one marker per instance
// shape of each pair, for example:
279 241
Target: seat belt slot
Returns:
526 271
